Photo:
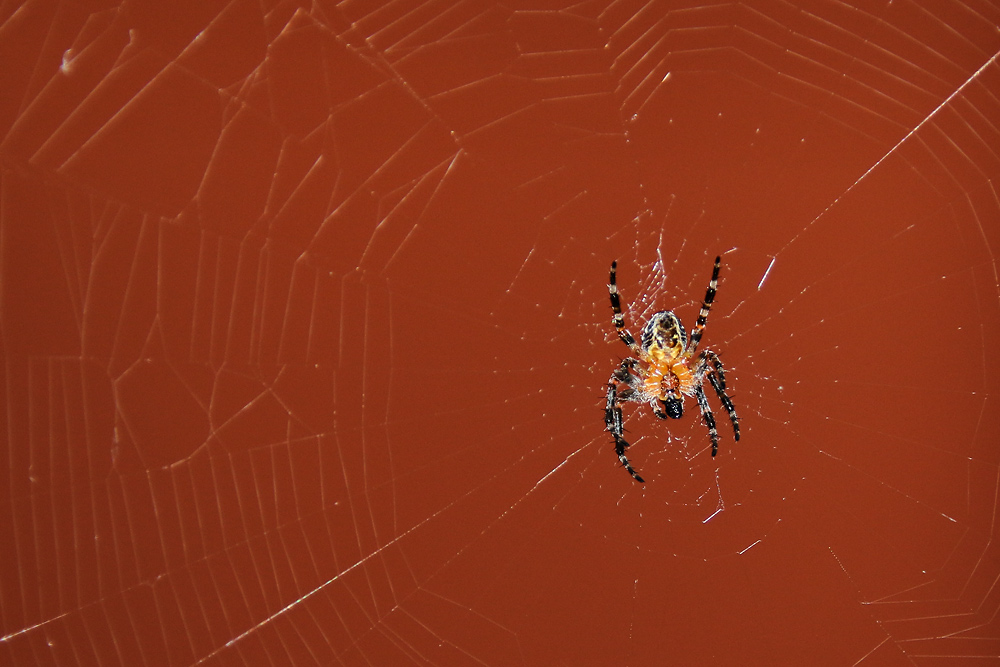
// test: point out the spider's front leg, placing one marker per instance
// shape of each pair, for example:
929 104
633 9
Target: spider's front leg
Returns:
613 415
618 319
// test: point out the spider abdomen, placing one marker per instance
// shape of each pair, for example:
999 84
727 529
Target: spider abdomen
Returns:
664 331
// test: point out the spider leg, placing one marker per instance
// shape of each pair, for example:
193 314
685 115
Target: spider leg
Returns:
706 306
616 306
613 416
706 414
719 385
710 357
716 376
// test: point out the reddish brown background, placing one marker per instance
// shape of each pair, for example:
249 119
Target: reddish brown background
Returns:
306 332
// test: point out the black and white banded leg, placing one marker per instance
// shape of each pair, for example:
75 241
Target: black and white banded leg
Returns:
613 413
706 307
706 414
710 367
616 307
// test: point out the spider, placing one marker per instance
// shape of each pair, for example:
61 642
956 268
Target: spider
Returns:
663 370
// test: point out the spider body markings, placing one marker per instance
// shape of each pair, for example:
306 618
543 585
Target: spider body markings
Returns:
664 369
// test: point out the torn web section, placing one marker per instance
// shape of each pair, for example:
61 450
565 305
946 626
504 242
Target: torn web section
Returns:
902 369
925 438
836 229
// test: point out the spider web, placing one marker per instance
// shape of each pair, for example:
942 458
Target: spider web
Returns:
306 332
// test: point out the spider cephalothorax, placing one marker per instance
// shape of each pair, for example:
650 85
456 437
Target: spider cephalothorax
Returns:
664 370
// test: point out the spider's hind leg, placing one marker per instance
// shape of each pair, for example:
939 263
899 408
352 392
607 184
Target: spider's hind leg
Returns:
710 367
706 414
718 384
620 446
614 421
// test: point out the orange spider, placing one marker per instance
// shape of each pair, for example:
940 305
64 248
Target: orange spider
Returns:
664 372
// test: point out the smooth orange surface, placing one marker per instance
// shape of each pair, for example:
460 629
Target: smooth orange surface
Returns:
306 332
